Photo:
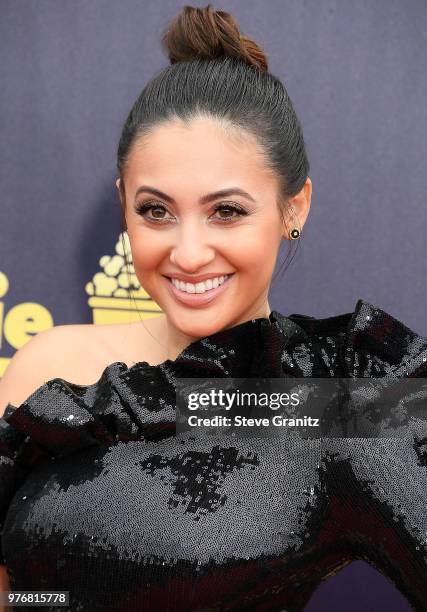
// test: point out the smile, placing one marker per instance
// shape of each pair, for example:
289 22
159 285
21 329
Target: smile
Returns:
207 285
200 293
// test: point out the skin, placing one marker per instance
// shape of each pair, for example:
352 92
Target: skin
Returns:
187 162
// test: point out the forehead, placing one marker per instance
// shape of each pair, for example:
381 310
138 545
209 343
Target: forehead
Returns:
203 151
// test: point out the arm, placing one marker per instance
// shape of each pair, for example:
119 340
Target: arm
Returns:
25 373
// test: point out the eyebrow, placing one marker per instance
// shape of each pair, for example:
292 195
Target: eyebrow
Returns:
223 193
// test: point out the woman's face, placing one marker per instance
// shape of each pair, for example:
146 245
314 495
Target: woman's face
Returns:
186 233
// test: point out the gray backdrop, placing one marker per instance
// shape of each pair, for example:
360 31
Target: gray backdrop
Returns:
357 74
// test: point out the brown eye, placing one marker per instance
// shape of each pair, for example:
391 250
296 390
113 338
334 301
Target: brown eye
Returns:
230 208
143 208
225 209
232 212
155 210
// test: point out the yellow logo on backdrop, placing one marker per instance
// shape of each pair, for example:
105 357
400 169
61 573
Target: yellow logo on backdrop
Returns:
21 322
109 290
115 296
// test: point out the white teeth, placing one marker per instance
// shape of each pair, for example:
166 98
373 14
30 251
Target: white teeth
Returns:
211 283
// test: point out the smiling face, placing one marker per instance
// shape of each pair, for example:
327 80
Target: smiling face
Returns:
178 231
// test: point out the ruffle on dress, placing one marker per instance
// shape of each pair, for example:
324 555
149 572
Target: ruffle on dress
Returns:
60 417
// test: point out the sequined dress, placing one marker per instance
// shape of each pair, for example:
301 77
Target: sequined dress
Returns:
98 496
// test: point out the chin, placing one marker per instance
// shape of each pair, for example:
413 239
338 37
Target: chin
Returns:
197 324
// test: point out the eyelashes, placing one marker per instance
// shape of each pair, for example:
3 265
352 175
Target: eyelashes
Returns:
143 208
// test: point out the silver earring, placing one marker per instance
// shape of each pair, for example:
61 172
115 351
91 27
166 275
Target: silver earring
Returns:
295 233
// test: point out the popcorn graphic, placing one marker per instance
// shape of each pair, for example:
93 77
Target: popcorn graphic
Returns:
115 293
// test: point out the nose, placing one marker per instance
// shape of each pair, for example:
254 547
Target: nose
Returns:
191 251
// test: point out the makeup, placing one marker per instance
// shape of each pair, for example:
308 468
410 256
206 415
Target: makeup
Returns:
198 299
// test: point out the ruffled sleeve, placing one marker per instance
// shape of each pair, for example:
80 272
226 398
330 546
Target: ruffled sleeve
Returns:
377 344
368 344
57 419
11 473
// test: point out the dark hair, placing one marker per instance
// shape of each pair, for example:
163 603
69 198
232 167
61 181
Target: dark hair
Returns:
217 72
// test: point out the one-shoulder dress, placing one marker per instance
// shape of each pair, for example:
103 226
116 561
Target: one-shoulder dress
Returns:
99 496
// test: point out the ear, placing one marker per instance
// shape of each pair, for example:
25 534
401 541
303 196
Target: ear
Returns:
118 185
121 189
122 208
299 207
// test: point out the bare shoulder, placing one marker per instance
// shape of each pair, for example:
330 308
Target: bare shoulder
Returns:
30 366
77 353
83 351
130 343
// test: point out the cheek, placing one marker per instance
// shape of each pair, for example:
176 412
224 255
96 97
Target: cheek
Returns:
147 251
255 250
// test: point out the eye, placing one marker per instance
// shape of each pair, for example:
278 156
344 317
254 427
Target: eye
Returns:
143 208
230 207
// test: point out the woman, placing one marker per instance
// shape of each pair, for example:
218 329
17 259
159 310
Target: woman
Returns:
99 497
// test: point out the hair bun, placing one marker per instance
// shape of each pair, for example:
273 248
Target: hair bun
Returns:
206 34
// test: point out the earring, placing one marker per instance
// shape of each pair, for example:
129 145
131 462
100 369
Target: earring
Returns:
295 233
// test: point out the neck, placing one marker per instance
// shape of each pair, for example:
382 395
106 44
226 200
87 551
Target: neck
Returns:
175 341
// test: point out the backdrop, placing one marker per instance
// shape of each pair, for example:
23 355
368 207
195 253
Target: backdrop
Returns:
357 74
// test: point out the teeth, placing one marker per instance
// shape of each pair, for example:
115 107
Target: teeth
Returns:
211 283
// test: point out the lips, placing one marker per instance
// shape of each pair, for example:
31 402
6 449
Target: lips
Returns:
198 299
195 283
194 280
